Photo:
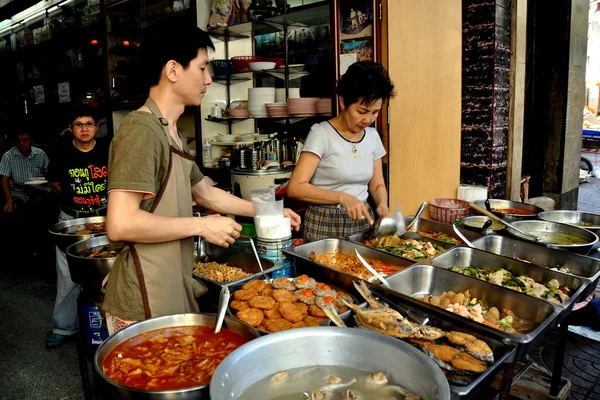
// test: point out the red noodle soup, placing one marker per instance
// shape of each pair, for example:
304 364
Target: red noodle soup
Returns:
170 358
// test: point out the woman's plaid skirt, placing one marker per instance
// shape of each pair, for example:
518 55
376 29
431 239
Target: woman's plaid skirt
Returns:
331 221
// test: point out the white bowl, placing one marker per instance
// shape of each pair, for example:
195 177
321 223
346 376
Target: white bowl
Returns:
228 138
261 65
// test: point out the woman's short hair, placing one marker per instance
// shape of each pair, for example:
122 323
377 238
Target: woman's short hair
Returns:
365 80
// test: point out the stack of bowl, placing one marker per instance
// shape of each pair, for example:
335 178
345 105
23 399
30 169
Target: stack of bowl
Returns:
293 93
257 98
323 107
302 107
277 109
239 109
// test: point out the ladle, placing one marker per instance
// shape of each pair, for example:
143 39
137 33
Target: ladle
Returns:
390 225
223 302
417 215
462 237
506 223
258 260
372 270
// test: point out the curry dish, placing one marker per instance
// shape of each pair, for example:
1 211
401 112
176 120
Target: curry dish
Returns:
350 264
170 358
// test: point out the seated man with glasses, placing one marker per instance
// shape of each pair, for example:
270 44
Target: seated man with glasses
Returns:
79 173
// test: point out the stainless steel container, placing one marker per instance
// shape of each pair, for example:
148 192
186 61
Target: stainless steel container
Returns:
545 226
585 268
357 348
580 219
467 257
499 203
476 223
428 225
199 392
64 240
85 270
234 258
343 280
503 352
422 280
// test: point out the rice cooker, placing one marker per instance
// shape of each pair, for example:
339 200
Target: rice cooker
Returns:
243 181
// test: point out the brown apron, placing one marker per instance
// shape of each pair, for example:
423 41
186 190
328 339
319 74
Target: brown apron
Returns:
165 270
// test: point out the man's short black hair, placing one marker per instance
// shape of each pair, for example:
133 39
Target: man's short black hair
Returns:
83 110
178 40
367 80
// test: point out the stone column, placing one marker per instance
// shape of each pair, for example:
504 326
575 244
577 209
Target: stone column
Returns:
486 94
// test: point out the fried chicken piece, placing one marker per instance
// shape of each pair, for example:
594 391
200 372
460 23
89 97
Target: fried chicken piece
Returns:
316 311
303 308
283 296
244 294
267 290
239 305
252 316
256 284
262 302
313 321
273 312
284 283
290 312
277 324
299 324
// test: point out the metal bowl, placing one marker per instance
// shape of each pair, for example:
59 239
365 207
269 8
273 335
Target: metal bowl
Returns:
168 321
498 203
64 240
85 270
476 222
356 348
545 226
580 219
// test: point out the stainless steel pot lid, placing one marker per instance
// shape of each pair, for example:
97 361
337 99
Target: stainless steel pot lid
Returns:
261 172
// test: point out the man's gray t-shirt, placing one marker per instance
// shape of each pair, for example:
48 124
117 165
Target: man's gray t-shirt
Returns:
341 169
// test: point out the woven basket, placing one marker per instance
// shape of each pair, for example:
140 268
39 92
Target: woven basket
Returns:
242 63
448 210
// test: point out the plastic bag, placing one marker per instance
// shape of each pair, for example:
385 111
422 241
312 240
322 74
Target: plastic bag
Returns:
262 195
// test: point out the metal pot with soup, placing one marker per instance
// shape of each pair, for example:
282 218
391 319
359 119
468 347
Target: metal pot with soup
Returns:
556 236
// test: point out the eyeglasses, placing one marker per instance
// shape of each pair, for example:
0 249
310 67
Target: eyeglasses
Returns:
79 125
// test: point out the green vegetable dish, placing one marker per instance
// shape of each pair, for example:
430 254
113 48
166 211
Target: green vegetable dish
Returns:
551 290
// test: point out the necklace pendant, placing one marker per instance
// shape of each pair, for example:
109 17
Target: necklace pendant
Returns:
354 149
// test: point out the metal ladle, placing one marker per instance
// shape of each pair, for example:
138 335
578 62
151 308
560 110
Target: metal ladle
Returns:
506 223
223 302
417 215
462 237
391 225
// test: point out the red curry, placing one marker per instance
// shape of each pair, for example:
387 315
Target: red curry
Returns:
170 358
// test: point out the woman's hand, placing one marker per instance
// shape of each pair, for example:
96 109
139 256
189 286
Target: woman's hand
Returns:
295 218
383 210
355 208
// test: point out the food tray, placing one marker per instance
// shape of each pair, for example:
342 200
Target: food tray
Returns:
235 258
301 253
467 257
359 237
586 268
503 352
313 273
421 280
428 225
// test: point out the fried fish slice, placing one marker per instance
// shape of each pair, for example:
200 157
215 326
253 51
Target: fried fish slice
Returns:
277 324
290 312
255 284
273 312
239 305
313 321
244 294
303 308
252 316
262 302
316 311
469 343
453 359
283 296
267 290
299 324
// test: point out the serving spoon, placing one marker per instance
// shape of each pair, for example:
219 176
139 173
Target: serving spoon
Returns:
390 225
258 260
417 215
506 223
463 237
223 302
372 270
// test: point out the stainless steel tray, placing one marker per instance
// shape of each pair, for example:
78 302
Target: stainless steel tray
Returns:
585 268
503 352
341 279
422 280
235 258
468 257
359 237
428 225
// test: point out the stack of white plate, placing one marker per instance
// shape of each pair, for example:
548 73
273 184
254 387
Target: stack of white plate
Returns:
257 98
293 93
323 107
302 107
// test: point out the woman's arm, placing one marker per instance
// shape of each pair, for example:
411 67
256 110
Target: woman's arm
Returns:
378 190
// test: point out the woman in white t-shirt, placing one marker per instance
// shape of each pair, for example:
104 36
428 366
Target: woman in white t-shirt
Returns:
340 164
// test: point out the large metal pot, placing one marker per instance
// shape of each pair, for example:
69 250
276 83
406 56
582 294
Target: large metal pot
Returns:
506 204
350 347
168 321
545 226
64 240
580 219
85 270
243 181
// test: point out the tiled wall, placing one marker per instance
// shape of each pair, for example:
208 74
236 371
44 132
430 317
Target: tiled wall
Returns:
486 94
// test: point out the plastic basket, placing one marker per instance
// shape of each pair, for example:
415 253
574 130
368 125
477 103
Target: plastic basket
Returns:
448 210
222 67
242 63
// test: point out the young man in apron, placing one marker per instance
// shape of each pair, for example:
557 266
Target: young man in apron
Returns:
151 184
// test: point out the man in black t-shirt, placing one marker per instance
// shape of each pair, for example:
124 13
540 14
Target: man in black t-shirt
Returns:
79 173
